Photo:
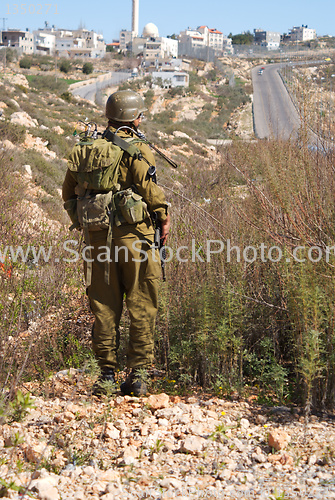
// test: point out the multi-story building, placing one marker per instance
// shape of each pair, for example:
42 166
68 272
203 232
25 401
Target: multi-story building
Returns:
268 39
302 34
213 37
77 43
44 43
191 40
153 48
204 43
126 38
92 40
21 41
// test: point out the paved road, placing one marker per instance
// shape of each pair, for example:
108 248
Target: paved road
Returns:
90 91
274 113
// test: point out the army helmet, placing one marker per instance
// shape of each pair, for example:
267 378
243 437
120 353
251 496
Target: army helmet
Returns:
124 106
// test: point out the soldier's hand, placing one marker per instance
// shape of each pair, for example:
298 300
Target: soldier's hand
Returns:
165 225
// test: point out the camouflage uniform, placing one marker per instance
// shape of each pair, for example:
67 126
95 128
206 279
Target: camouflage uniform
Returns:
136 281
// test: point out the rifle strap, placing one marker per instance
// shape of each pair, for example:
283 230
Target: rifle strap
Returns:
131 149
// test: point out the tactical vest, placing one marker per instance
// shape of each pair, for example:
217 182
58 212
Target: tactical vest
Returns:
95 165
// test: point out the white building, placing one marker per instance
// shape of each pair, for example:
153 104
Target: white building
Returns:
192 39
171 79
92 40
153 48
44 43
22 41
77 43
204 43
302 34
213 37
268 39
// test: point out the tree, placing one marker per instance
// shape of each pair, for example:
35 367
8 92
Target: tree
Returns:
65 66
243 38
25 62
88 68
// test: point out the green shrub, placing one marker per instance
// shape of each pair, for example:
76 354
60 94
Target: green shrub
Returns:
12 132
88 68
67 96
65 65
47 83
149 98
25 62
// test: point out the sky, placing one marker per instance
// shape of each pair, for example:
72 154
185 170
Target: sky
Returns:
172 16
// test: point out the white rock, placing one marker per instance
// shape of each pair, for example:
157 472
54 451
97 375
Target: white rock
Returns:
193 445
45 489
197 429
22 118
6 144
171 482
130 454
16 104
58 130
182 135
163 422
111 432
225 474
244 423
239 445
169 412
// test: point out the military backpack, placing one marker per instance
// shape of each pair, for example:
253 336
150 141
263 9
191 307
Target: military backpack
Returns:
100 202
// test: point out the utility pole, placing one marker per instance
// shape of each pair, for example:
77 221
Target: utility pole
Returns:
56 65
4 19
4 65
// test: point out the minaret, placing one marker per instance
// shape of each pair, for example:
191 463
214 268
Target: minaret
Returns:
135 17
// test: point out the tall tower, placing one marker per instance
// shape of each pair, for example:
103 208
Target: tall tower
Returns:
134 27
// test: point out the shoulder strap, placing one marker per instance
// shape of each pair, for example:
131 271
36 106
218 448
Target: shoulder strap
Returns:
129 148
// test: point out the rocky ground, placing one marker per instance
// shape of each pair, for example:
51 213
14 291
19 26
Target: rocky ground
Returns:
72 445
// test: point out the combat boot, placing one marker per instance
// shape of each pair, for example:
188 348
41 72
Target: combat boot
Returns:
136 383
106 383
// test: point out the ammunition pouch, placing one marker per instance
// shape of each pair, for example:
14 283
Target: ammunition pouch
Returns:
94 211
129 207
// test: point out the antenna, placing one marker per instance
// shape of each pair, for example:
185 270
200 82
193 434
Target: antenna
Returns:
4 19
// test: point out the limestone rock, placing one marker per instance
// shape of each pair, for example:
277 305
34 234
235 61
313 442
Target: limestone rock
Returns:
22 118
18 79
278 439
130 454
159 401
27 171
111 432
6 144
45 488
181 135
58 130
193 445
244 423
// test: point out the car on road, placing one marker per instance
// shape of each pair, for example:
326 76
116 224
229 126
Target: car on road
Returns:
260 71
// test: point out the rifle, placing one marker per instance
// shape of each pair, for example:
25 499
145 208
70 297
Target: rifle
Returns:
140 135
159 245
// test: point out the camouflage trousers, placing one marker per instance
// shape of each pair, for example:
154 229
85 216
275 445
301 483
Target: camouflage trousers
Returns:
133 279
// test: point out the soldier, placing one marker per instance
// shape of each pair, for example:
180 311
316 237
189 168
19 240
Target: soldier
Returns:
131 276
